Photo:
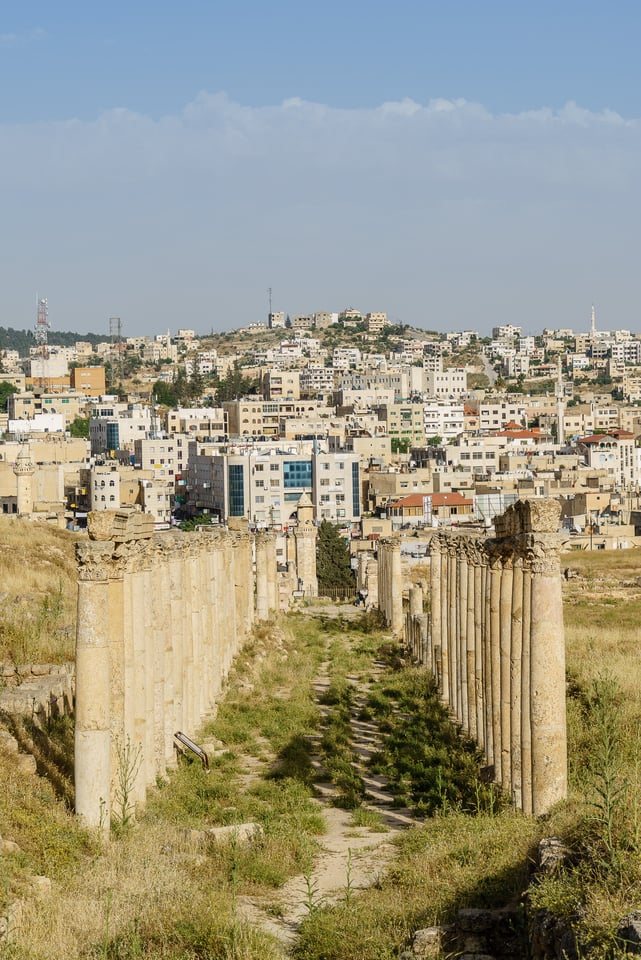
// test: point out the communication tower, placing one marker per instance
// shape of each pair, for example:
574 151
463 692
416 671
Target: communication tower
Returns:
115 337
41 329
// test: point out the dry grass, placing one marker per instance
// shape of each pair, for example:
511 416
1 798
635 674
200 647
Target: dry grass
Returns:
37 593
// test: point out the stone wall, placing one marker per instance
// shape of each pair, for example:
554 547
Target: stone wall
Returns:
496 645
160 618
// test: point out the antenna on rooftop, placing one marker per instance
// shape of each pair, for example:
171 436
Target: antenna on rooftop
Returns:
115 336
42 328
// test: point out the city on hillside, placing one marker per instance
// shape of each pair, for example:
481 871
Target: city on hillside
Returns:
384 427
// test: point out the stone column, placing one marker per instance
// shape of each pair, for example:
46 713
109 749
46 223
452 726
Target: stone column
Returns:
516 655
461 622
547 664
262 574
178 629
488 716
495 661
149 640
526 732
415 611
470 641
396 587
117 654
272 575
434 641
452 634
93 687
445 612
479 616
506 693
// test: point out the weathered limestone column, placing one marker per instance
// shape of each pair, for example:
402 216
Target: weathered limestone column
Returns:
445 606
452 625
262 575
396 588
479 617
526 730
461 622
516 654
272 575
495 661
470 641
415 610
547 659
506 693
488 721
208 626
167 658
93 687
117 667
178 628
150 675
435 607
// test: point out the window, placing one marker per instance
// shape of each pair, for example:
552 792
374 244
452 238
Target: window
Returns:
273 466
260 499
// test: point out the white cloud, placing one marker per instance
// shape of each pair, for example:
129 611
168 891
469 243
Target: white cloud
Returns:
507 210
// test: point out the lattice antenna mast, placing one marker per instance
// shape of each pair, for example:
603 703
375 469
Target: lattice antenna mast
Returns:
41 329
115 336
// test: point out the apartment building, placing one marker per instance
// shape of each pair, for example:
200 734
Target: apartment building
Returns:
199 423
405 422
445 420
265 487
261 418
446 383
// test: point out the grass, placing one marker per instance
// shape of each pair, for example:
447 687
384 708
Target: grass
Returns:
38 593
452 862
152 892
432 768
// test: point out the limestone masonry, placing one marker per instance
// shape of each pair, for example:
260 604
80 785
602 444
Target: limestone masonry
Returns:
160 618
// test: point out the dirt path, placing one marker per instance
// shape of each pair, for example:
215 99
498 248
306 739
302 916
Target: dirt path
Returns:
352 857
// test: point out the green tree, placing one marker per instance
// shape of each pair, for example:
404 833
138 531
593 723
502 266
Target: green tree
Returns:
79 427
435 441
234 385
333 567
400 445
6 389
165 394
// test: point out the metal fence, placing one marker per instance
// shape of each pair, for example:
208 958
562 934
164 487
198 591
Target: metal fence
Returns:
338 593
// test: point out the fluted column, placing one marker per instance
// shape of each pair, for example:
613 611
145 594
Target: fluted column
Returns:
547 674
495 662
93 688
461 619
526 729
516 655
506 693
470 641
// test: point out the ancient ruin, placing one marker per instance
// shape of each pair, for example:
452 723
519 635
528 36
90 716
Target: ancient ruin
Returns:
160 618
496 644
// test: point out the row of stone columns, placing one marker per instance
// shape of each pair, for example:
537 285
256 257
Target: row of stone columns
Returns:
497 648
390 584
159 621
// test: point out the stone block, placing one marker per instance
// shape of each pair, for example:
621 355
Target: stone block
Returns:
629 933
7 847
242 833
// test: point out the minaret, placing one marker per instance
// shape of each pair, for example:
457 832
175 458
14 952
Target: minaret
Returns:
593 323
560 399
24 470
305 537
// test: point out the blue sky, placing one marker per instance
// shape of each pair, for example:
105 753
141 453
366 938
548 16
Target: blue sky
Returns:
455 163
